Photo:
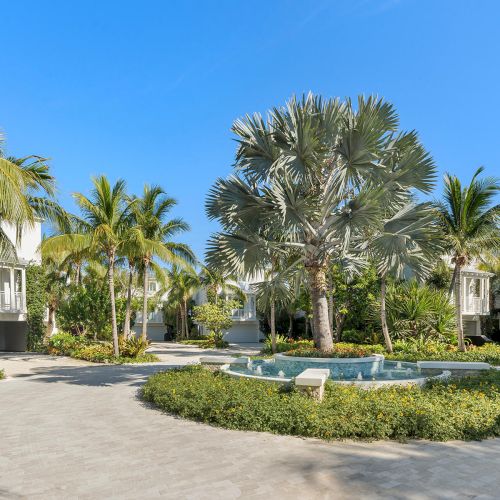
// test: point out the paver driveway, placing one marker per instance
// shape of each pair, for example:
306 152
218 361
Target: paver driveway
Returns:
73 430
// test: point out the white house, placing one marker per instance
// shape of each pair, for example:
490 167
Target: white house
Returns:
475 299
13 326
245 327
245 322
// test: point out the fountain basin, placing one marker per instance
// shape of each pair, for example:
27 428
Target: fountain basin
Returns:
340 368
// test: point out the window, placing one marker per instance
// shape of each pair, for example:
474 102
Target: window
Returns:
152 286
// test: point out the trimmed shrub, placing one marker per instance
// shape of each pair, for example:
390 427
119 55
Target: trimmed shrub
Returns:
467 409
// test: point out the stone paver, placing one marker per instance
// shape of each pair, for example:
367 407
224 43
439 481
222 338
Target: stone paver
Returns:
73 430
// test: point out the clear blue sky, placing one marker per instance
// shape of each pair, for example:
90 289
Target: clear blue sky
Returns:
148 90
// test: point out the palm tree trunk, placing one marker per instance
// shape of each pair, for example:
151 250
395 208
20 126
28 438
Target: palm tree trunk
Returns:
186 326
383 316
51 316
126 326
111 282
290 325
78 273
452 282
273 327
458 306
330 306
145 302
321 328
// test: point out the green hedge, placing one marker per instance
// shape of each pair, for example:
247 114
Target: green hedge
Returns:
36 303
468 409
2 374
403 351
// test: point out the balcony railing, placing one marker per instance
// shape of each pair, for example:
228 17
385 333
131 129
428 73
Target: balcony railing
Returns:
243 314
153 317
6 304
475 305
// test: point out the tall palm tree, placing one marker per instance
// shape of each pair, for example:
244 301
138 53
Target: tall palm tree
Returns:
101 231
321 177
182 283
408 242
153 233
470 223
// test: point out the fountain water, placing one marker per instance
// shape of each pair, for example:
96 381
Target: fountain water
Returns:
281 374
360 376
398 365
258 370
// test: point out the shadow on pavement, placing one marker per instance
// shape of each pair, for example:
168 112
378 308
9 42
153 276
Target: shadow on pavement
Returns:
97 376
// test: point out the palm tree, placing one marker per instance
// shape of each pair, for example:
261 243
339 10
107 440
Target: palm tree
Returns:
321 177
182 283
217 282
101 231
408 242
469 221
153 233
274 293
26 192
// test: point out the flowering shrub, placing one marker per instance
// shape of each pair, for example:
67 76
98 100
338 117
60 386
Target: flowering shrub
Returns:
339 351
465 409
79 347
284 344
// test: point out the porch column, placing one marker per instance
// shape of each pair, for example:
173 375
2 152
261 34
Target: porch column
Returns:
12 289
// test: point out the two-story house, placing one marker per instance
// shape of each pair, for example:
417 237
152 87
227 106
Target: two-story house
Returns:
245 322
245 328
13 326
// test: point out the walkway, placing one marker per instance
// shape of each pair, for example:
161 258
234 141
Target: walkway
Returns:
74 430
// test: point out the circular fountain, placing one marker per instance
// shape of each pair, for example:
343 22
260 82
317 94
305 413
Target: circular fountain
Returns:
369 372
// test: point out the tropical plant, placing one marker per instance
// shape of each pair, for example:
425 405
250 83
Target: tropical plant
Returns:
182 283
216 318
100 231
419 311
408 242
275 292
469 221
151 235
26 192
319 178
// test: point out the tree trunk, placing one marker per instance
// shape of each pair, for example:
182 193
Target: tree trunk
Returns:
186 326
111 282
321 328
78 273
458 306
306 327
126 326
273 327
51 319
145 302
330 307
383 316
339 326
452 282
290 325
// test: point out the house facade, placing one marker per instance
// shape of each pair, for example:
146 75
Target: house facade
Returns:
245 326
13 326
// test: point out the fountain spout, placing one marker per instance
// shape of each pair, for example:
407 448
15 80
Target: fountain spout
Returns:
360 376
281 374
258 370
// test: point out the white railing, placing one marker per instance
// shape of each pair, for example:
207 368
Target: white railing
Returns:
6 305
475 305
153 317
242 314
